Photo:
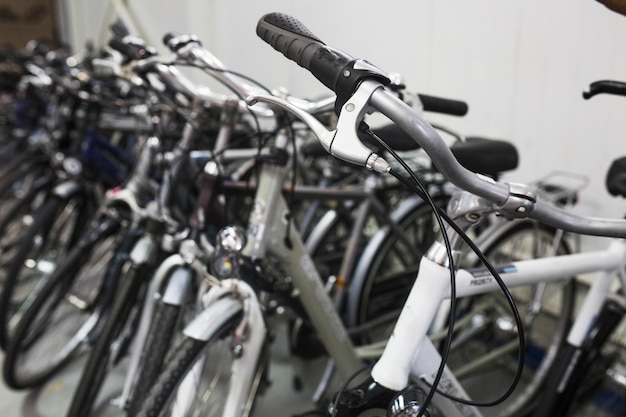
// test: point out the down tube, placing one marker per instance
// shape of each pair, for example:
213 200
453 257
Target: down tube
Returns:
318 305
267 233
425 367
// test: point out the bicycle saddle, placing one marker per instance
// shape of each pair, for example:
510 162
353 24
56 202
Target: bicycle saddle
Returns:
616 177
485 156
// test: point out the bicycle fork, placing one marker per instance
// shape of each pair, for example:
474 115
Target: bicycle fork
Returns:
574 363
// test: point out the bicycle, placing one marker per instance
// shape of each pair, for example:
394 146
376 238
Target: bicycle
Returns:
80 290
57 182
278 260
409 352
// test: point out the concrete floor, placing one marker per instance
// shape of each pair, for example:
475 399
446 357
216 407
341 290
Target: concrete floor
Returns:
280 399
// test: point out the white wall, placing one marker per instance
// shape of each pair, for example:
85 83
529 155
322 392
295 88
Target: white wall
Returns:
520 64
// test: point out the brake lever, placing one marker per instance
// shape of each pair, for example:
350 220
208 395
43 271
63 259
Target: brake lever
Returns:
343 141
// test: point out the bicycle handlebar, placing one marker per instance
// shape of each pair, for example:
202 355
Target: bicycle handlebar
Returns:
617 88
131 48
296 42
335 69
443 105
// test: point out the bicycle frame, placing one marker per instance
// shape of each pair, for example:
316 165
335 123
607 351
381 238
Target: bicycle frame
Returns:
266 229
409 352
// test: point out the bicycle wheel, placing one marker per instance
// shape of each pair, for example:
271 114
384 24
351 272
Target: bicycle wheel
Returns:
21 195
115 335
387 268
157 345
484 351
198 381
42 245
328 240
167 323
63 314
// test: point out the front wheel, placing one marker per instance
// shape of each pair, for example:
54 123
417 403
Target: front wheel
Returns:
387 269
40 249
200 379
63 314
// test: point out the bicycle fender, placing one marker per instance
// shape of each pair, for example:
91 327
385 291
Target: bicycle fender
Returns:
178 286
212 318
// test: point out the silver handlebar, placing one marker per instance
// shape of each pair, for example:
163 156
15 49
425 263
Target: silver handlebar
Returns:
193 51
513 200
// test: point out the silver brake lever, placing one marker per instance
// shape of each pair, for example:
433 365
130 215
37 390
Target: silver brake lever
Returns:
342 142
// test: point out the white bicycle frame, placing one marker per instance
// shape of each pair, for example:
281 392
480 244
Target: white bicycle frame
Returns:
409 352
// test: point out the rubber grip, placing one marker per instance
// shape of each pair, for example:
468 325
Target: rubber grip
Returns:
617 88
289 36
130 52
443 105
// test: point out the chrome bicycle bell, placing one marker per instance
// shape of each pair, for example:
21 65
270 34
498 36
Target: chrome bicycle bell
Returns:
229 243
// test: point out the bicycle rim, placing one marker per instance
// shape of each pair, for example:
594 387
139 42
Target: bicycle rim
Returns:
387 271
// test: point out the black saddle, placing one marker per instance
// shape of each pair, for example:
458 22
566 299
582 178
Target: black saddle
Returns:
616 177
485 156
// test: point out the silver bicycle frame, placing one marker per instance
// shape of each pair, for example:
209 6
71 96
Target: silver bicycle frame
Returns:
266 239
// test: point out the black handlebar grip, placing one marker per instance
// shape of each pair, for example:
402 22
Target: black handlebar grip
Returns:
289 36
131 50
617 88
443 105
175 41
127 50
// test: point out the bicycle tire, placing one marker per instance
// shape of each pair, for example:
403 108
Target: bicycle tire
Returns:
21 195
373 294
64 313
158 344
35 259
545 329
578 372
98 364
184 367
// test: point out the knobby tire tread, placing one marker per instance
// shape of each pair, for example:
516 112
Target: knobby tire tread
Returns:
62 277
175 370
156 348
